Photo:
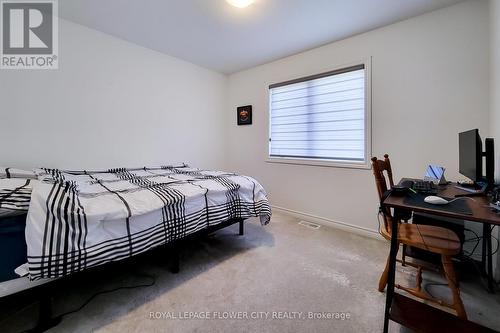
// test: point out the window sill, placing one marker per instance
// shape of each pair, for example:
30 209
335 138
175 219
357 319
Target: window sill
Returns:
320 163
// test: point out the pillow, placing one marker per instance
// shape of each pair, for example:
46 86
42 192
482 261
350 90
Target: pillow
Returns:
16 173
15 196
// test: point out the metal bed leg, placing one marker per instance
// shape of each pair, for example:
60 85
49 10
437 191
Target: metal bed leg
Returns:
175 264
242 230
45 320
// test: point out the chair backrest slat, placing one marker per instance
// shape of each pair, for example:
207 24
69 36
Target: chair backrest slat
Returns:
379 167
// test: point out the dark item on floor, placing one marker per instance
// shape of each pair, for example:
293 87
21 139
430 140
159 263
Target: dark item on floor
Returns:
422 318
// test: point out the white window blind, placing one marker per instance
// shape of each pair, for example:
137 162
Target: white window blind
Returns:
320 117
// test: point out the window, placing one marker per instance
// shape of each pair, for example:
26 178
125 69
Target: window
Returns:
322 118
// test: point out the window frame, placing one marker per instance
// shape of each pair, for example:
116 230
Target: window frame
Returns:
338 163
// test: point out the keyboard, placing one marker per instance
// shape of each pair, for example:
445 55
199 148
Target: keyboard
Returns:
423 186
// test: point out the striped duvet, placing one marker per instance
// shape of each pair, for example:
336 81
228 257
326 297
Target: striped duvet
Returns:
80 219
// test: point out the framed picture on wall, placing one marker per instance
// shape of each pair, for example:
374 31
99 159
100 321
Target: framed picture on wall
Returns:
244 114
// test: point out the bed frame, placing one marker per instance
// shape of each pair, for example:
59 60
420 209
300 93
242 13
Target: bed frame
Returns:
43 292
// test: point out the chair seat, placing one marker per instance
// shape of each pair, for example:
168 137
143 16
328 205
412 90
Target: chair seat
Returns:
430 238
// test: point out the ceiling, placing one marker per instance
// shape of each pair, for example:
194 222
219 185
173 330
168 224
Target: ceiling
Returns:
215 35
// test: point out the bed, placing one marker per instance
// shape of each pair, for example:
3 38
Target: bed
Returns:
77 220
81 219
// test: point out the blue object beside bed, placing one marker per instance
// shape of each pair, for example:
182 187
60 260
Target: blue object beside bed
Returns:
12 245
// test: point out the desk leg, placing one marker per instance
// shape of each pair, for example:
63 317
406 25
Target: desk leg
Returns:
392 273
484 256
489 271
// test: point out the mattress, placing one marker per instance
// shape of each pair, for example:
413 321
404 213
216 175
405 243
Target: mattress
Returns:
81 219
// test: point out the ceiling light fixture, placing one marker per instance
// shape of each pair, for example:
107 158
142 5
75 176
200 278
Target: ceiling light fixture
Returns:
240 3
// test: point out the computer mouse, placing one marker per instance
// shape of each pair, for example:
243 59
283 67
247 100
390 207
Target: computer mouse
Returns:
434 200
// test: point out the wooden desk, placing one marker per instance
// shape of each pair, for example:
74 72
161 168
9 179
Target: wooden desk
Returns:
398 306
479 206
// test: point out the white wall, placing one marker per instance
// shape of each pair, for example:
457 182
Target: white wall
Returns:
430 80
111 103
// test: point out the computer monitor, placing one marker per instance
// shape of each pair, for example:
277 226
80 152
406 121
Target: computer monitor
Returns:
471 157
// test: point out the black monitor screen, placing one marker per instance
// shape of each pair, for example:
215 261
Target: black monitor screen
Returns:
470 154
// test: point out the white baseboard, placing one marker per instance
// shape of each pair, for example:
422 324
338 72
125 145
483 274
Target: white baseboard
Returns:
330 223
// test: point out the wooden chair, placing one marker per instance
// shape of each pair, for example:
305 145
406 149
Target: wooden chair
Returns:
434 239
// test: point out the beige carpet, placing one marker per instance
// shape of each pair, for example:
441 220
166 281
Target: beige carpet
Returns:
273 279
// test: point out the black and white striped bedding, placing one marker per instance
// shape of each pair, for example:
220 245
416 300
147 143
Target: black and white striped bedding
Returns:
15 196
16 173
79 220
